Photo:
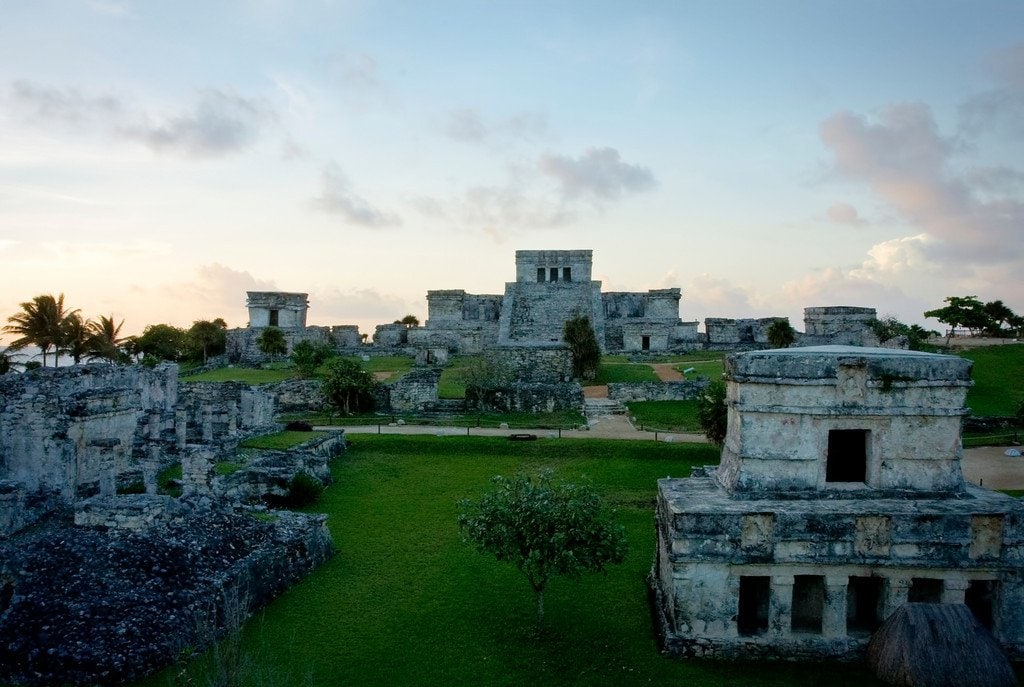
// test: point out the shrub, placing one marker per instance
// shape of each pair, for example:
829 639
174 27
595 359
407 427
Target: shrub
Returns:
298 426
303 490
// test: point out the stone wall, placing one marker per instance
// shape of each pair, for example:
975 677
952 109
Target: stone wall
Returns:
277 309
415 391
65 431
537 364
297 395
391 336
657 391
742 334
534 397
241 347
218 410
838 325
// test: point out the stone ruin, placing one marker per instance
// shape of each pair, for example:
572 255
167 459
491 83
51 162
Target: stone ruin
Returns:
108 586
839 497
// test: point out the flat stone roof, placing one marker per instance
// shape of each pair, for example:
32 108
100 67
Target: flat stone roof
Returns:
823 362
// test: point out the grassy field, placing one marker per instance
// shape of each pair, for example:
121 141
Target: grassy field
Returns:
624 372
405 602
249 375
563 419
998 379
712 369
670 416
281 440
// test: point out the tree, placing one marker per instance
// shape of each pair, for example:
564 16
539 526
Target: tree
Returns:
206 338
409 321
105 341
781 333
888 328
347 386
162 342
74 337
712 413
962 311
5 363
586 353
545 529
272 342
999 314
308 356
40 324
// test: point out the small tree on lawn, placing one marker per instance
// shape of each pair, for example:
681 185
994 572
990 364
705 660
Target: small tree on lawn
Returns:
545 529
205 338
272 342
347 386
712 413
308 356
586 353
781 334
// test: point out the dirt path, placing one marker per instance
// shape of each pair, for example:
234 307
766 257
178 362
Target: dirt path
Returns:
667 372
990 467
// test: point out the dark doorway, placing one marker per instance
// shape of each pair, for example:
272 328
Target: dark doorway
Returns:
540 274
645 343
863 604
926 590
554 274
273 318
979 598
566 274
755 592
847 455
808 603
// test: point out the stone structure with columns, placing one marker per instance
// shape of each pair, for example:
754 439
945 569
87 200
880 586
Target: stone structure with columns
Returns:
839 497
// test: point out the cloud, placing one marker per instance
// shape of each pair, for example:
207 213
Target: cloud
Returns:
335 306
844 213
708 295
468 125
1000 108
598 173
906 161
219 122
337 198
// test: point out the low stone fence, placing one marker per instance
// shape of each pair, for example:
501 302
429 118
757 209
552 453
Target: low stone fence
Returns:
526 398
657 391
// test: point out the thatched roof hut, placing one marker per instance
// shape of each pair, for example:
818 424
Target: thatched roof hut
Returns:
938 645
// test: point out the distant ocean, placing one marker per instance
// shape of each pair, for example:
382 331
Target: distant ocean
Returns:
30 353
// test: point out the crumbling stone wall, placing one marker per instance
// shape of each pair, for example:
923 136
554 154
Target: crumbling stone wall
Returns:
219 410
73 431
391 336
277 309
549 364
838 325
415 391
657 391
527 397
743 334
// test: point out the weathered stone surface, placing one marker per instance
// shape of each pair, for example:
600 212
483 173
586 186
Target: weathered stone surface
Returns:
90 606
657 391
838 498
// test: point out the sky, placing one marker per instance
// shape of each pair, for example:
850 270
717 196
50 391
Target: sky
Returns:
160 159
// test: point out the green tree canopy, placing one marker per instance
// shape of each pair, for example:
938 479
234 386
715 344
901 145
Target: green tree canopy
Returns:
74 337
888 327
347 386
712 413
962 311
206 338
308 356
409 321
781 333
162 342
105 342
586 353
272 342
545 529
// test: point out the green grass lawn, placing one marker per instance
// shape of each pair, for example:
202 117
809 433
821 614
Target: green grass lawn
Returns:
564 419
451 384
249 375
624 372
712 369
405 602
281 440
998 379
670 416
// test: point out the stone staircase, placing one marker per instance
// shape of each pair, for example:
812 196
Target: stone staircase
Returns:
596 408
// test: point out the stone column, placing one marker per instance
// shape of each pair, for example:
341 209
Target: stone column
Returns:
232 417
896 589
108 476
954 591
207 425
180 427
780 606
196 472
154 426
732 589
150 468
833 617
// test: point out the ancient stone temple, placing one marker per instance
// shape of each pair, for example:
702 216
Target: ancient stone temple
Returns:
839 497
552 286
277 309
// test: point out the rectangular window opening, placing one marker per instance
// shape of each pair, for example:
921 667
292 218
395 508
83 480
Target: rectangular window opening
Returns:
752 618
273 318
980 598
554 274
808 603
847 455
863 604
566 274
926 590
540 274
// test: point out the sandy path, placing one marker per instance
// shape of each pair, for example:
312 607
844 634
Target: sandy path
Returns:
667 372
990 467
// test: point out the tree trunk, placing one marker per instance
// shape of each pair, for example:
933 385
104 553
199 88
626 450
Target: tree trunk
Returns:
540 610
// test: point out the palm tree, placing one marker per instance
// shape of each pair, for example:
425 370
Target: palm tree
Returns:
104 339
74 337
40 323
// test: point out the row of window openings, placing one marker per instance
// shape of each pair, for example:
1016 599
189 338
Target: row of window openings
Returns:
551 274
864 596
